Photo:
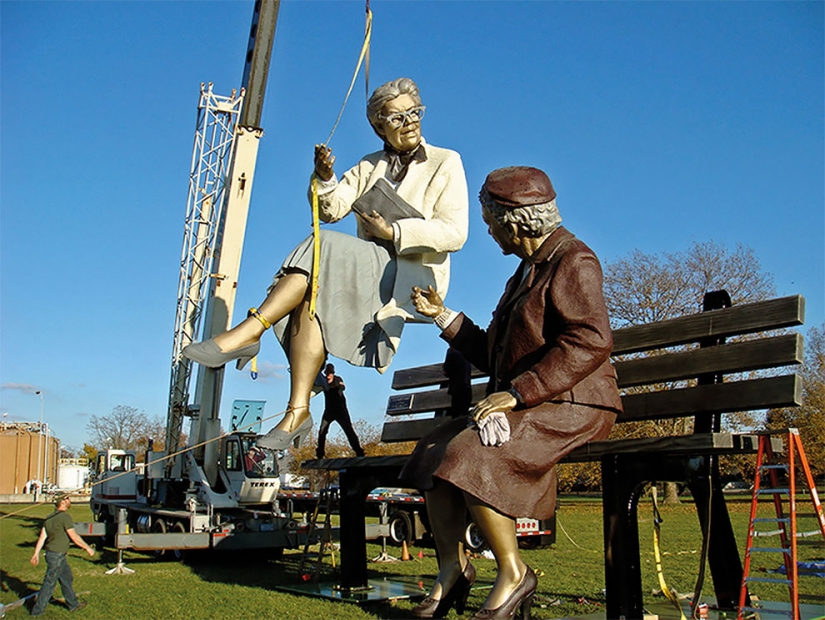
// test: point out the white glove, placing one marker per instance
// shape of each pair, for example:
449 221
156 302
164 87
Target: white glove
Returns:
494 429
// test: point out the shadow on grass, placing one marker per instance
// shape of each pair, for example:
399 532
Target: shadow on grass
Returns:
20 588
252 570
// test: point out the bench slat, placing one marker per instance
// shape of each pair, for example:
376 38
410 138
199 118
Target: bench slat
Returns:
782 391
429 401
737 320
716 443
773 352
705 443
432 374
395 431
351 462
731 358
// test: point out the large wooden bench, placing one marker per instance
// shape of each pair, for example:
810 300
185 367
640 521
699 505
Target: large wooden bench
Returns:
701 366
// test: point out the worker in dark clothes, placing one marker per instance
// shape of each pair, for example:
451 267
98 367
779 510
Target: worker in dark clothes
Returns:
336 411
56 536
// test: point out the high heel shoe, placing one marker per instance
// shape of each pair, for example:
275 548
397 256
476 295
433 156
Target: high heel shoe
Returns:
457 596
276 439
208 354
521 597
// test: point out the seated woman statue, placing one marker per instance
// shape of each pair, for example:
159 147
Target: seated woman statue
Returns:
363 297
552 388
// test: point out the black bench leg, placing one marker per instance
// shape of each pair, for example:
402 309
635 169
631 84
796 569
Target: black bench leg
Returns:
354 490
723 555
622 572
356 483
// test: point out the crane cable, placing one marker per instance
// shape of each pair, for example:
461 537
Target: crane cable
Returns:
316 226
140 466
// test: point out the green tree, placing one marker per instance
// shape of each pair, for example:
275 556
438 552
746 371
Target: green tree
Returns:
809 418
90 452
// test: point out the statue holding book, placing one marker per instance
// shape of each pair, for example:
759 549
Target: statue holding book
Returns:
410 199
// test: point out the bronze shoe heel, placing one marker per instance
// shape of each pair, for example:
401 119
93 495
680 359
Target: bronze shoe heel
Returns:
520 599
457 597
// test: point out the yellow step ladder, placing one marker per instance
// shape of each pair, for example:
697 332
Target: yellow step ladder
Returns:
782 488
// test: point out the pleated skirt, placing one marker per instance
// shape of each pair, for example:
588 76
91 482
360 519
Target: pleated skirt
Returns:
517 478
356 279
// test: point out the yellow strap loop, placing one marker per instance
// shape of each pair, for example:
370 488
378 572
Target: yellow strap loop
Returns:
657 518
253 312
316 233
316 250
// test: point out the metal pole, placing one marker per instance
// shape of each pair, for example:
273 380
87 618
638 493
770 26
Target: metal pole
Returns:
40 439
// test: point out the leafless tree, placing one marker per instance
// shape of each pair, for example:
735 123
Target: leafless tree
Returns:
125 428
644 288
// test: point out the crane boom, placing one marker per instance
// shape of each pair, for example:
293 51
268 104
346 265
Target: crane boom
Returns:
216 254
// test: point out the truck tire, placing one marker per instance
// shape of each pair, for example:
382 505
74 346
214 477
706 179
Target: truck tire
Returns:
400 527
473 538
159 527
178 554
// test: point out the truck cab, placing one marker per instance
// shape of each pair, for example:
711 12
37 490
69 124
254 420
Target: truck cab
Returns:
116 475
251 471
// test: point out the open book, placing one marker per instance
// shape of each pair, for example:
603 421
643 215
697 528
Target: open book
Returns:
383 199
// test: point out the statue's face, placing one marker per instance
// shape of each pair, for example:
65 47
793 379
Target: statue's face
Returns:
407 136
503 237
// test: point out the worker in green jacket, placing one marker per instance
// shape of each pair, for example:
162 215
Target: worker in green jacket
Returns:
56 536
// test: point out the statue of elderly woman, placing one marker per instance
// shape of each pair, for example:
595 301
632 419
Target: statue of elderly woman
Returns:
363 298
552 388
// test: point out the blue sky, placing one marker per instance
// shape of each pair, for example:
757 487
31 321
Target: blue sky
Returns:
660 124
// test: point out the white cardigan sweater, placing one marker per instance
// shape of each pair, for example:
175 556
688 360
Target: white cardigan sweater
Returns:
436 187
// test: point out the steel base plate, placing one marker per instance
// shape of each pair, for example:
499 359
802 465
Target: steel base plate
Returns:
392 587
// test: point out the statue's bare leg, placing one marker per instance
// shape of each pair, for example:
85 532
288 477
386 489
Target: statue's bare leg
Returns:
500 533
446 510
284 297
306 356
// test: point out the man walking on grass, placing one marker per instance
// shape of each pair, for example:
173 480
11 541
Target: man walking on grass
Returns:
56 534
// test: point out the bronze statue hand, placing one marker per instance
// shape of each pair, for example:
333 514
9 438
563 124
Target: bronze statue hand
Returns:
428 303
497 401
376 226
324 159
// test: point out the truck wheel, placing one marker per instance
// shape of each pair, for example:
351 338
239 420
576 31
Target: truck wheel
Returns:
400 527
178 554
473 537
159 527
529 542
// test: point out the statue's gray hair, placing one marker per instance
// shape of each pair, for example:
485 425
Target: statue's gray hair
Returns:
532 220
388 92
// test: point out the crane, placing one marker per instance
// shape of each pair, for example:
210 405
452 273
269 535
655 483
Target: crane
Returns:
220 186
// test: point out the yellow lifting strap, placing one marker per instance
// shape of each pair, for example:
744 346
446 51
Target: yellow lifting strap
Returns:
657 520
316 226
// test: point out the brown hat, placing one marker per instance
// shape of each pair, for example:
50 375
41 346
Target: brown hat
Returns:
519 186
59 498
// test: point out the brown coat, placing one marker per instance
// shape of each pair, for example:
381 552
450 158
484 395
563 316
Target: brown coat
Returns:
550 339
550 336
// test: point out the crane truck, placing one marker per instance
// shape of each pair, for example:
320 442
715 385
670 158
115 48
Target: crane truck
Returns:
220 491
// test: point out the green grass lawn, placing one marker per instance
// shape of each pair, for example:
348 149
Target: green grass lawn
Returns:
570 583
